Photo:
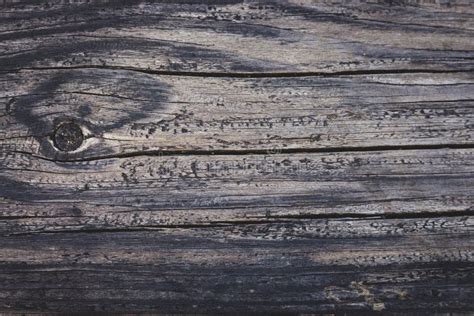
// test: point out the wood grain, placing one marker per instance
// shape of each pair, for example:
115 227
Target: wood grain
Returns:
304 266
127 112
249 233
298 156
238 37
40 195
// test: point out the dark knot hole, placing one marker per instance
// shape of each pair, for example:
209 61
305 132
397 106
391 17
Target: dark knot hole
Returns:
68 136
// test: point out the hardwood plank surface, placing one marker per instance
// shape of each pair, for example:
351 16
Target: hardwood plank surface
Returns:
242 157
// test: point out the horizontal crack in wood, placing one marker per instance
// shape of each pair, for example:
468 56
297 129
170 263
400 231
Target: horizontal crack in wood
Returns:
255 152
254 75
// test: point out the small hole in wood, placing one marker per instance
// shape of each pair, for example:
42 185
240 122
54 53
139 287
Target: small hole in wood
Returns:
68 136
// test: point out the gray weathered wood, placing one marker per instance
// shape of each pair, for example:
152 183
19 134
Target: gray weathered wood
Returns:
116 193
236 157
239 233
302 265
125 112
266 36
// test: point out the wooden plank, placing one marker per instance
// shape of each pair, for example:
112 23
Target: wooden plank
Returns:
423 264
143 191
127 112
239 37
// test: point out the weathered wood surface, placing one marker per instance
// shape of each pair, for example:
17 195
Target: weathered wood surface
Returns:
304 265
241 37
125 112
144 192
235 157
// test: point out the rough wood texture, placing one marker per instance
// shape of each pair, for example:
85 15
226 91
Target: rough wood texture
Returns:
243 37
305 265
125 112
141 192
237 157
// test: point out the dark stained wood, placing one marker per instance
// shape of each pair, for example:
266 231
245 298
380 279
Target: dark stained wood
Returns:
238 157
303 265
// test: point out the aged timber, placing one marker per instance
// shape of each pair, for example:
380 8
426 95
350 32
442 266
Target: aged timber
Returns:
297 156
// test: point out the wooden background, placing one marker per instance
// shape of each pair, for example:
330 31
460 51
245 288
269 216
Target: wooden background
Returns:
233 156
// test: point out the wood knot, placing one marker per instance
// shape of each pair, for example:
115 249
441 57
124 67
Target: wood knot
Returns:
68 136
